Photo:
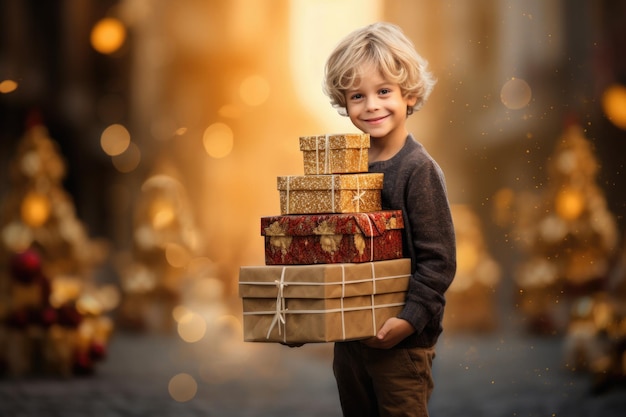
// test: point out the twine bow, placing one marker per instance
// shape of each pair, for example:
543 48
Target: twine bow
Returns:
358 196
326 155
279 315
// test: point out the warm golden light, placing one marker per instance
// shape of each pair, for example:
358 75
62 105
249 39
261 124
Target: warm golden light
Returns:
309 48
115 139
515 94
208 290
614 105
467 255
229 111
161 213
503 201
88 304
108 35
7 86
180 312
109 296
254 90
64 290
35 209
218 140
17 236
182 387
176 255
191 327
129 160
230 325
569 204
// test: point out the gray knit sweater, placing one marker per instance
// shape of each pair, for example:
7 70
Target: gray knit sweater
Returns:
414 183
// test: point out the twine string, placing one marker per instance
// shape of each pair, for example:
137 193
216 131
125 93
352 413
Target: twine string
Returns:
279 314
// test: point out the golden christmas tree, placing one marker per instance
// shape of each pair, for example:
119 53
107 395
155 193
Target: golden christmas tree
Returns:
52 315
568 234
166 249
471 299
595 341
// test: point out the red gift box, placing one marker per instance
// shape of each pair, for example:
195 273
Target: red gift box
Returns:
332 238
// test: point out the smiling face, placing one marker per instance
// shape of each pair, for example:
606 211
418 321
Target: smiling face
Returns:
377 106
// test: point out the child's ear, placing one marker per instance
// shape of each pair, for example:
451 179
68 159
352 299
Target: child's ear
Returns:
410 102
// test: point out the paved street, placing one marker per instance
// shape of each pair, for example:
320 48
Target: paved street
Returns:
495 376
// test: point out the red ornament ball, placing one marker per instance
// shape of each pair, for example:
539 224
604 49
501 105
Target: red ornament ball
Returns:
83 365
48 316
97 350
26 266
68 316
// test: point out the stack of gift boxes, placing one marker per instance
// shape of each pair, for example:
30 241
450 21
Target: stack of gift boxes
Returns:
333 258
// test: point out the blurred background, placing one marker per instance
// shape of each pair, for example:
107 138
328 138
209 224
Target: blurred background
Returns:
140 141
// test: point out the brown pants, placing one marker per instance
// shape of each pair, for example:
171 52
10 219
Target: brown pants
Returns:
381 382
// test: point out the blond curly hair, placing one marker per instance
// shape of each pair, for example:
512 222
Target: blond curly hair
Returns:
385 46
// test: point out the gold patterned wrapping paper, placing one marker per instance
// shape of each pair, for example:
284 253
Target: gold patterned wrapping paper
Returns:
345 193
335 154
308 320
321 303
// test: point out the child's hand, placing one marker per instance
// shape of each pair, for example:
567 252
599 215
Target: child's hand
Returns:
393 332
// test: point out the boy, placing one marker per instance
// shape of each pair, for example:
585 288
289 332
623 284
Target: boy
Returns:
375 77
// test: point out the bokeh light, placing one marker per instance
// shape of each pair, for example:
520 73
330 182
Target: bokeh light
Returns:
7 86
180 312
115 139
108 35
129 160
177 255
182 387
515 94
88 304
254 90
218 140
35 209
191 327
468 256
570 204
161 213
614 105
109 296
64 290
208 290
17 236
230 325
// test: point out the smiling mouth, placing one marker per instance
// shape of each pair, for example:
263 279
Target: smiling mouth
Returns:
375 119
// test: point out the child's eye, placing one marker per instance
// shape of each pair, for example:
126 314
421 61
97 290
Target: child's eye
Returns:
355 96
384 91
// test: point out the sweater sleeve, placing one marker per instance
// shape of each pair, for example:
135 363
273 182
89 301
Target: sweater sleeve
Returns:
430 243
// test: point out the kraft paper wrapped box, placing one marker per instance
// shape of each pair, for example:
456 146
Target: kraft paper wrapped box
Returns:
335 153
321 303
332 238
334 193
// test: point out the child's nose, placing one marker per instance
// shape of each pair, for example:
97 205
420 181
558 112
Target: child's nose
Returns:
372 103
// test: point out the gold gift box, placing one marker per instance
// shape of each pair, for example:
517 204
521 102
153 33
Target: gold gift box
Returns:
335 154
346 193
321 303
